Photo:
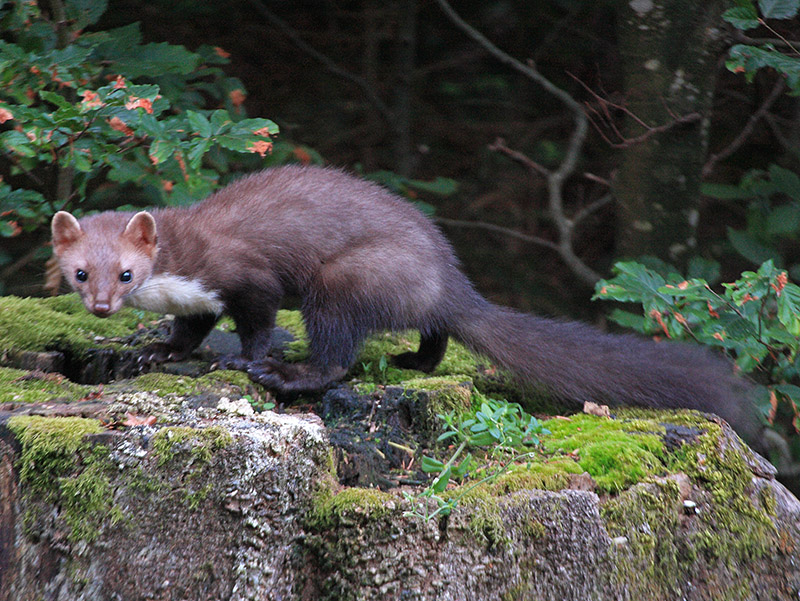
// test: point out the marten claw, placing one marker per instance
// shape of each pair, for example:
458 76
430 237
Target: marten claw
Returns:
160 352
234 362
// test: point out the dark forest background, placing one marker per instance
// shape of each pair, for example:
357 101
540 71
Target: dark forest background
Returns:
399 86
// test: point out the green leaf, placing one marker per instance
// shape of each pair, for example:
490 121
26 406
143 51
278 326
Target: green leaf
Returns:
703 269
742 17
783 220
750 59
750 248
441 186
482 439
725 191
446 436
160 58
441 482
430 465
6 229
785 181
198 151
250 126
58 100
84 12
17 143
220 121
789 308
793 392
161 150
200 125
630 320
778 9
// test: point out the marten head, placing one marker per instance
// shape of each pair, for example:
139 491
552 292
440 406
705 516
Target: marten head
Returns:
105 257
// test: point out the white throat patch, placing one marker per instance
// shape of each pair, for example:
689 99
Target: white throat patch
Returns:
175 295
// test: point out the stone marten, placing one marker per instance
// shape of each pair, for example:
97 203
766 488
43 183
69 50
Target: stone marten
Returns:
362 260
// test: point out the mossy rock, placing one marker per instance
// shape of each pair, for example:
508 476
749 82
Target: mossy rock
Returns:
20 386
42 324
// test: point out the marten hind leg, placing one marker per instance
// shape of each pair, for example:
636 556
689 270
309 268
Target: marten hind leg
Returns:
431 352
333 341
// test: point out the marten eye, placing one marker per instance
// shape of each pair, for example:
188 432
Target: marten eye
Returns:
125 277
81 275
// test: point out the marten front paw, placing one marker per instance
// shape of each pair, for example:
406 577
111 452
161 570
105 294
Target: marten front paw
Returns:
160 352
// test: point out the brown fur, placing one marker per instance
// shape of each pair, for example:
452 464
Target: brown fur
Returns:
362 260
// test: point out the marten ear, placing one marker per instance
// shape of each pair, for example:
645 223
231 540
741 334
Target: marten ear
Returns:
66 231
141 232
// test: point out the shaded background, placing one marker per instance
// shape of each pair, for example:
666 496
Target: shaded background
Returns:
398 86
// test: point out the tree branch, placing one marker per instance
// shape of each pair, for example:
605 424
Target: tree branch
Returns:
499 229
555 178
739 140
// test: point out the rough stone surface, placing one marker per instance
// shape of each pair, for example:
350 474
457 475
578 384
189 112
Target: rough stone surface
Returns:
243 522
235 544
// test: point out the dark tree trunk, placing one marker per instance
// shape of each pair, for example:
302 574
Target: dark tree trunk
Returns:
670 50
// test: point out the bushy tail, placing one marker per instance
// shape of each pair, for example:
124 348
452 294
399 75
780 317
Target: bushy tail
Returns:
579 363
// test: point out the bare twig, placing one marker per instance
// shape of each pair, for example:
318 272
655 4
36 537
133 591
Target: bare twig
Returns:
555 178
651 131
739 140
592 207
743 38
499 229
602 110
499 145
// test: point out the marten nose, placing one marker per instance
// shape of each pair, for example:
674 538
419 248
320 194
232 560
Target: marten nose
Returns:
101 309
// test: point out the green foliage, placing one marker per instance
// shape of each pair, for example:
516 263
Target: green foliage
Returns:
78 108
502 427
755 319
773 216
749 59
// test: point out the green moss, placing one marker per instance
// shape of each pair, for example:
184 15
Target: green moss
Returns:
199 443
197 447
194 497
41 324
615 452
330 509
49 445
21 386
59 466
485 521
649 520
730 528
293 322
86 500
436 396
227 382
548 474
736 527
